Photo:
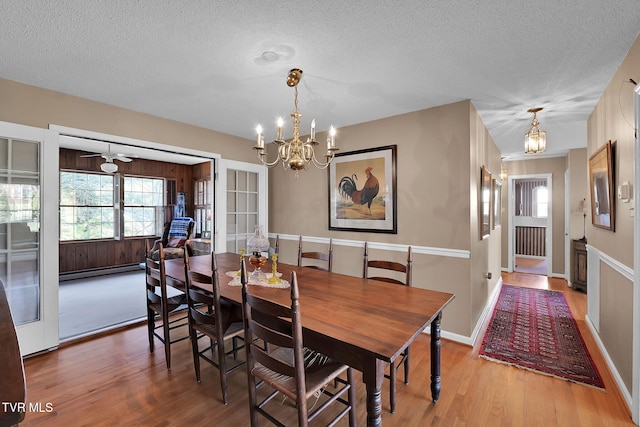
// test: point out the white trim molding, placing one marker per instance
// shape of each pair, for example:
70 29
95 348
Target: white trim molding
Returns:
395 247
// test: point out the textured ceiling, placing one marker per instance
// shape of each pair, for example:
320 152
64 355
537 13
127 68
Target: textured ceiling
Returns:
201 61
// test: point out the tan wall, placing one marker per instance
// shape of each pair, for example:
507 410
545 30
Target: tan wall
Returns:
612 119
439 157
485 253
32 106
579 190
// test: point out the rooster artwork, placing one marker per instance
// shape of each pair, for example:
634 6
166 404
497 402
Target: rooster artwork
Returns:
366 195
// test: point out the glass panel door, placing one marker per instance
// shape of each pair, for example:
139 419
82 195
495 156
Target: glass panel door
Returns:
242 207
241 203
33 303
20 228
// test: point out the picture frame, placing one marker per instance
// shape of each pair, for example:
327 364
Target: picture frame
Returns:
497 204
603 206
485 203
354 203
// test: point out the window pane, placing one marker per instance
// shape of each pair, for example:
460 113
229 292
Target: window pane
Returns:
142 197
86 206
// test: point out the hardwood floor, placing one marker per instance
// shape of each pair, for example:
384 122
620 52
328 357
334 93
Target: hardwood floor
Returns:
113 380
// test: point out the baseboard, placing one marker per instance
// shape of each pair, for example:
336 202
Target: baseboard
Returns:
83 274
486 313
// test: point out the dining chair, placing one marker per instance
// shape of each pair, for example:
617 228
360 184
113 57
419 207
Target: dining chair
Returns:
212 318
326 257
391 266
288 367
161 306
275 249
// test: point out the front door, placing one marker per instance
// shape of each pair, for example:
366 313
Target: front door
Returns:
29 232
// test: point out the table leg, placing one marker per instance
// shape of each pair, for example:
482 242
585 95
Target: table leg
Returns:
435 357
373 375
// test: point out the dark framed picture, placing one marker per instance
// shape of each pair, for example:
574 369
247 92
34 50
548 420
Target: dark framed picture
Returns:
485 203
603 212
362 191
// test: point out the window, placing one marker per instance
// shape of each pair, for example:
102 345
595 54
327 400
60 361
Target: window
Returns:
202 207
143 204
540 202
86 206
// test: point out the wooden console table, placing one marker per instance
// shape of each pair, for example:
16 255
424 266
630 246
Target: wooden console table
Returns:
579 276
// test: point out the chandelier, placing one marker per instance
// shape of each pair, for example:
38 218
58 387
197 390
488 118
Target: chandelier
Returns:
296 154
535 141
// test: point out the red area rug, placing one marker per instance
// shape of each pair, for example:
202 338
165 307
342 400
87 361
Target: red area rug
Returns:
534 329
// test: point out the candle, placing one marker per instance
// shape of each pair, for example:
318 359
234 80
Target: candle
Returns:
260 141
332 133
280 123
313 129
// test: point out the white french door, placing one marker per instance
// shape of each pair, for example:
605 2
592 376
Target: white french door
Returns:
29 232
242 201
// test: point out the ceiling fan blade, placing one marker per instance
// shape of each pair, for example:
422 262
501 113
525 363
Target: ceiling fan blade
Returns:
123 158
91 155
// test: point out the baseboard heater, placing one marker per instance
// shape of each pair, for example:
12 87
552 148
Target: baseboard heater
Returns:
93 272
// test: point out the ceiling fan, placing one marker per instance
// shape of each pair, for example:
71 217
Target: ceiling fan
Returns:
108 166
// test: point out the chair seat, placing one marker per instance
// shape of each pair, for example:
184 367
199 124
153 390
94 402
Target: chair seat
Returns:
320 370
235 330
172 303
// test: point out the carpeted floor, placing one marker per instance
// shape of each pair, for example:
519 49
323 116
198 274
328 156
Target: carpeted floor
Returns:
94 304
534 329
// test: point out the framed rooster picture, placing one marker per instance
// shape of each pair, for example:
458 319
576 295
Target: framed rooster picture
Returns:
362 191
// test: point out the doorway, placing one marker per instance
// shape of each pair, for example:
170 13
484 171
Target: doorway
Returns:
139 196
530 227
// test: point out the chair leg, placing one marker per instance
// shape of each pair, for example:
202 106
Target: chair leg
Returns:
150 328
392 389
352 397
253 398
196 353
222 365
167 339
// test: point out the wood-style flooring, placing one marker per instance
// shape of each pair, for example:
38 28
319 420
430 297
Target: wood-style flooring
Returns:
113 380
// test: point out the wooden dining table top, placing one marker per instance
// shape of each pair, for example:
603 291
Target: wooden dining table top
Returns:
375 318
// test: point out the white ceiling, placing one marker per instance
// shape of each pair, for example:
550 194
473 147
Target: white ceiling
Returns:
201 61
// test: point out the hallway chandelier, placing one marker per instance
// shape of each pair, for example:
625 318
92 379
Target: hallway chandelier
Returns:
535 141
296 154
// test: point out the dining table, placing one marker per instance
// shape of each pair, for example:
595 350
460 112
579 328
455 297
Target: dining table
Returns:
363 323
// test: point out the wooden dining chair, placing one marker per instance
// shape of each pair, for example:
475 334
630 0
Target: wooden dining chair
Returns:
391 266
326 257
286 365
161 306
212 318
275 249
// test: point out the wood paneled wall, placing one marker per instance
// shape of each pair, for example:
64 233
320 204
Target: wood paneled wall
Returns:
80 256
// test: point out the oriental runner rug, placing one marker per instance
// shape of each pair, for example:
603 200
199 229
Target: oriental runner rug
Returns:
535 330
